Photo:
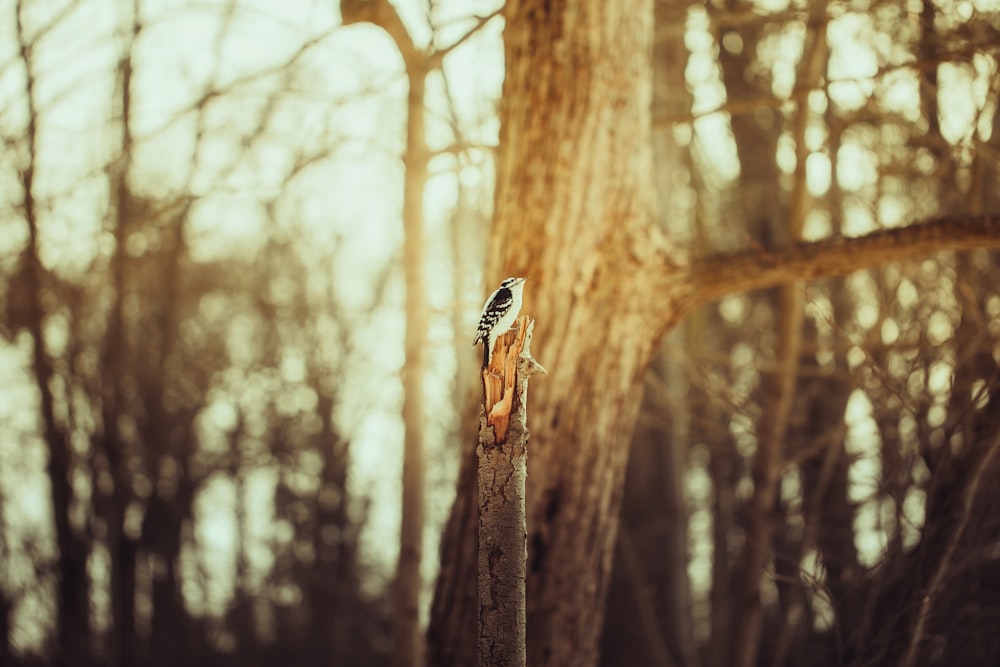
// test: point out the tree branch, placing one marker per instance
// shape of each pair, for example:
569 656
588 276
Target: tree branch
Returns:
977 467
383 14
714 277
438 56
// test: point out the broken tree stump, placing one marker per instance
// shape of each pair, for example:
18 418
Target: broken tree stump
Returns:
503 533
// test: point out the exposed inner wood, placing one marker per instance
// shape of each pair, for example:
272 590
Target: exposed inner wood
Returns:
498 379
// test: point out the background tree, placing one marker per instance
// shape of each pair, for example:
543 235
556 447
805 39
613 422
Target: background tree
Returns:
187 388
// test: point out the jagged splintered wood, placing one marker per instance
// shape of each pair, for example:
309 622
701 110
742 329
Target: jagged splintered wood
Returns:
503 533
498 379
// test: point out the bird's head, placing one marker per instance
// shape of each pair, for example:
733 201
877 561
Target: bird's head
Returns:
511 283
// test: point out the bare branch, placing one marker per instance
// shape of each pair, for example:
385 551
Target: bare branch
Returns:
941 572
437 57
383 14
714 277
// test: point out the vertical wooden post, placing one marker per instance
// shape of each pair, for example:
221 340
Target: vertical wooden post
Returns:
503 534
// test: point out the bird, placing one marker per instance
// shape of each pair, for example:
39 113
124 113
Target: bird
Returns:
499 313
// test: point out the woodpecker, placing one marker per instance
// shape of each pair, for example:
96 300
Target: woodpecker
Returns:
499 313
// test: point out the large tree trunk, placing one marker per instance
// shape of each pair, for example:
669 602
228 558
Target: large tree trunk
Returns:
575 213
648 611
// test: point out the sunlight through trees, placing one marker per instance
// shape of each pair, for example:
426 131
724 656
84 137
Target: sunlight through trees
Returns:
242 249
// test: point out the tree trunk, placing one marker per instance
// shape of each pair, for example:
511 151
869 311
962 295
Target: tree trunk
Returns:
579 223
648 613
575 213
407 637
408 640
762 516
72 593
122 547
503 537
649 602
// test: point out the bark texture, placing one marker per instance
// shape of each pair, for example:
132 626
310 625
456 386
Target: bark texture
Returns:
579 223
503 536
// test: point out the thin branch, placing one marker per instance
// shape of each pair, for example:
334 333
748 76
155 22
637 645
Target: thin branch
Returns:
437 57
383 14
937 580
714 277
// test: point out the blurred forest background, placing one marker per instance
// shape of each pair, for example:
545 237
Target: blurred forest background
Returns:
214 218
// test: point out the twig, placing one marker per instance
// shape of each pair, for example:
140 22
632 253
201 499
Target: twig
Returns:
437 56
941 572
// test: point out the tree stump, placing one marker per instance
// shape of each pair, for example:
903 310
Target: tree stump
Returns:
503 533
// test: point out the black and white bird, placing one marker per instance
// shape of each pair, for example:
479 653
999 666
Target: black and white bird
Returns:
499 313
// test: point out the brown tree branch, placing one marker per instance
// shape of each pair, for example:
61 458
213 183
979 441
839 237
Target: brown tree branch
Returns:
383 14
437 57
716 276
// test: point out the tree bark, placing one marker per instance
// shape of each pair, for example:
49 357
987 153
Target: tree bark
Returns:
503 536
574 212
